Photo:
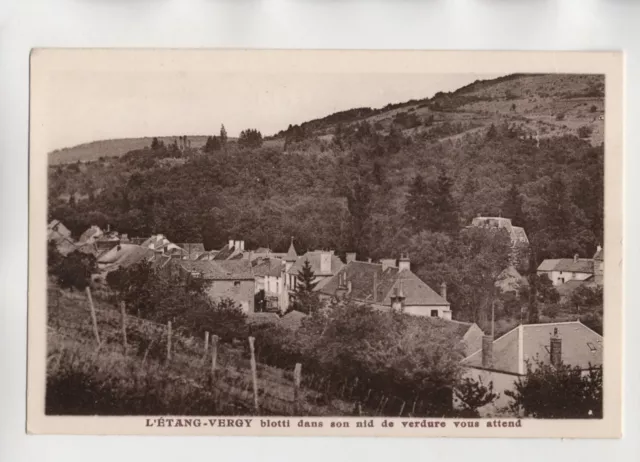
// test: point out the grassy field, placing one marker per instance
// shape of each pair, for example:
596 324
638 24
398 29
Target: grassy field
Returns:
83 379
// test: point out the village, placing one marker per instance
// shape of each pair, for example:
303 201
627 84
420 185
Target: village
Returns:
266 286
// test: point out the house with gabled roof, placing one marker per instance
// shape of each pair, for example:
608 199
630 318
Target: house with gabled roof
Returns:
123 256
563 270
504 360
387 286
231 279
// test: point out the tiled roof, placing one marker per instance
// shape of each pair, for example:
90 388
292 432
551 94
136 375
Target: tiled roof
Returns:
363 274
580 347
219 270
124 255
292 255
267 267
581 265
224 253
510 280
566 289
314 260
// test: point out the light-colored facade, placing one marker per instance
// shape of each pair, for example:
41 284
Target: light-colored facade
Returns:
387 286
504 361
240 291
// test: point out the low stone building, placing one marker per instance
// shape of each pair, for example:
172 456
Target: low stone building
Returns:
231 279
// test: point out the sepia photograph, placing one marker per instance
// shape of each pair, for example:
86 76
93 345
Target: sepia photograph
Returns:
323 241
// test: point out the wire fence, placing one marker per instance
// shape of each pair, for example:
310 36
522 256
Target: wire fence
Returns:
190 360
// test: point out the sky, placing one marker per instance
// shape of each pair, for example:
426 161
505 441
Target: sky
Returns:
84 105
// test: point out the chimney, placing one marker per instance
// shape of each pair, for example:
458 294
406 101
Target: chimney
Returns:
443 290
487 351
230 243
325 262
351 256
575 258
404 263
388 263
555 350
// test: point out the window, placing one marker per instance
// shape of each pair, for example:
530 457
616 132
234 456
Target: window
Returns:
236 283
592 347
434 313
561 280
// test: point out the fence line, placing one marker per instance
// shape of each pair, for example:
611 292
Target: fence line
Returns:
320 389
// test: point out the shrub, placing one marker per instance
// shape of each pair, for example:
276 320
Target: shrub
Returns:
74 271
474 394
560 116
585 131
593 109
548 392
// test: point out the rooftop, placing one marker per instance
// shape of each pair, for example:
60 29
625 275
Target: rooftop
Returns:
220 270
580 347
364 275
571 265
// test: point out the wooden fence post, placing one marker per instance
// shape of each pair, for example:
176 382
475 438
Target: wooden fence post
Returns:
94 320
168 340
206 342
214 354
297 375
401 409
123 317
254 375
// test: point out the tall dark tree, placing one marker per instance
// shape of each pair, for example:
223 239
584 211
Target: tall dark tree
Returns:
212 144
533 310
512 207
155 144
223 136
359 205
305 299
418 204
444 215
250 138
557 216
305 279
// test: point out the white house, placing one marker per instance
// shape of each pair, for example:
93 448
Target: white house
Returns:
504 361
561 270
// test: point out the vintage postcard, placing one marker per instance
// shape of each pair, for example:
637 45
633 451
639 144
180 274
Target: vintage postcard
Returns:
346 243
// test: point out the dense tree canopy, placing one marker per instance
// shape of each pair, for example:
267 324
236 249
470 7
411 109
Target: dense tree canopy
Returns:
374 190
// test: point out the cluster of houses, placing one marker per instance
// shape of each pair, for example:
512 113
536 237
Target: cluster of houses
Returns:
569 274
239 274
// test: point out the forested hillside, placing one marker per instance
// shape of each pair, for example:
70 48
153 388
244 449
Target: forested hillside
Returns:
406 178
